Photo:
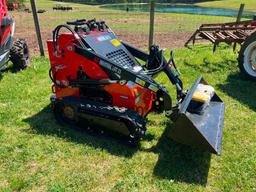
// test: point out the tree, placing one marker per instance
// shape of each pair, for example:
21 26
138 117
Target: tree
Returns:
16 1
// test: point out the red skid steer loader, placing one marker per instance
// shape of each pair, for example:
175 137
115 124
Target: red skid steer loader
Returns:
99 82
16 51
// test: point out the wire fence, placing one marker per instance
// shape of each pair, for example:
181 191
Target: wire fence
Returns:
171 29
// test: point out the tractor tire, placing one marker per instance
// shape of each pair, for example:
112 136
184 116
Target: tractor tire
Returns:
19 54
247 57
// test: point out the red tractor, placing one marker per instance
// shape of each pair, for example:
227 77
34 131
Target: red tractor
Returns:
16 51
101 82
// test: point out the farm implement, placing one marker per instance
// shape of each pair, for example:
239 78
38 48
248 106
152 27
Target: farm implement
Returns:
243 33
101 82
62 8
16 51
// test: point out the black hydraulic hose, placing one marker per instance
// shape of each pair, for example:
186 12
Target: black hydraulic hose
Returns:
53 78
158 69
50 75
55 41
56 36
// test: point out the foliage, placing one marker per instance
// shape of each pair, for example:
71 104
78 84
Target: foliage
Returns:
129 1
231 4
16 1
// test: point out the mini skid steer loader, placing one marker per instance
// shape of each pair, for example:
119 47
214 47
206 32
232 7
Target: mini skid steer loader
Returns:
99 82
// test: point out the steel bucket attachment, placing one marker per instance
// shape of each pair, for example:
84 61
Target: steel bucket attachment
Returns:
201 129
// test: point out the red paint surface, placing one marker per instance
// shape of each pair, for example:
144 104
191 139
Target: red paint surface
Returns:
134 97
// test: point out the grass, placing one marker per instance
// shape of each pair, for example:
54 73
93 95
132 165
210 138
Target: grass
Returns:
230 4
36 154
168 27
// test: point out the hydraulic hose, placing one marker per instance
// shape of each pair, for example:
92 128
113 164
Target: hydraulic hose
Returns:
53 78
56 36
158 69
55 44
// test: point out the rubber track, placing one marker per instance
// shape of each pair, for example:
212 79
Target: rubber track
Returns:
135 124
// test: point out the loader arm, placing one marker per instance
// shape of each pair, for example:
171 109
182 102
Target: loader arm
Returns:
128 75
136 52
170 74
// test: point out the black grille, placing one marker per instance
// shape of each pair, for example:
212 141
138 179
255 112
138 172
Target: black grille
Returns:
121 57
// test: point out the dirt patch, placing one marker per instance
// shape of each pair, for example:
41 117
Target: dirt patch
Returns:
140 20
172 39
25 29
164 40
130 20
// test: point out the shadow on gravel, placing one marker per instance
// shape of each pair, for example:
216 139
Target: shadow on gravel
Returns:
241 89
176 161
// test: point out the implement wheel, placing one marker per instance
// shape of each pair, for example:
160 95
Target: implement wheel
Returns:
247 57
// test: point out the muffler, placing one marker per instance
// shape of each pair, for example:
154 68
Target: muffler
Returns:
199 126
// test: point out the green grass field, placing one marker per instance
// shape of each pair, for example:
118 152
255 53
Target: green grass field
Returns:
171 30
230 4
36 154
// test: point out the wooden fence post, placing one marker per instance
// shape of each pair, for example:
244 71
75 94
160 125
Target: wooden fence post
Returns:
240 13
37 27
151 25
239 16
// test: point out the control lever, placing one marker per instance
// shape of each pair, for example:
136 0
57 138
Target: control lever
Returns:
92 24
